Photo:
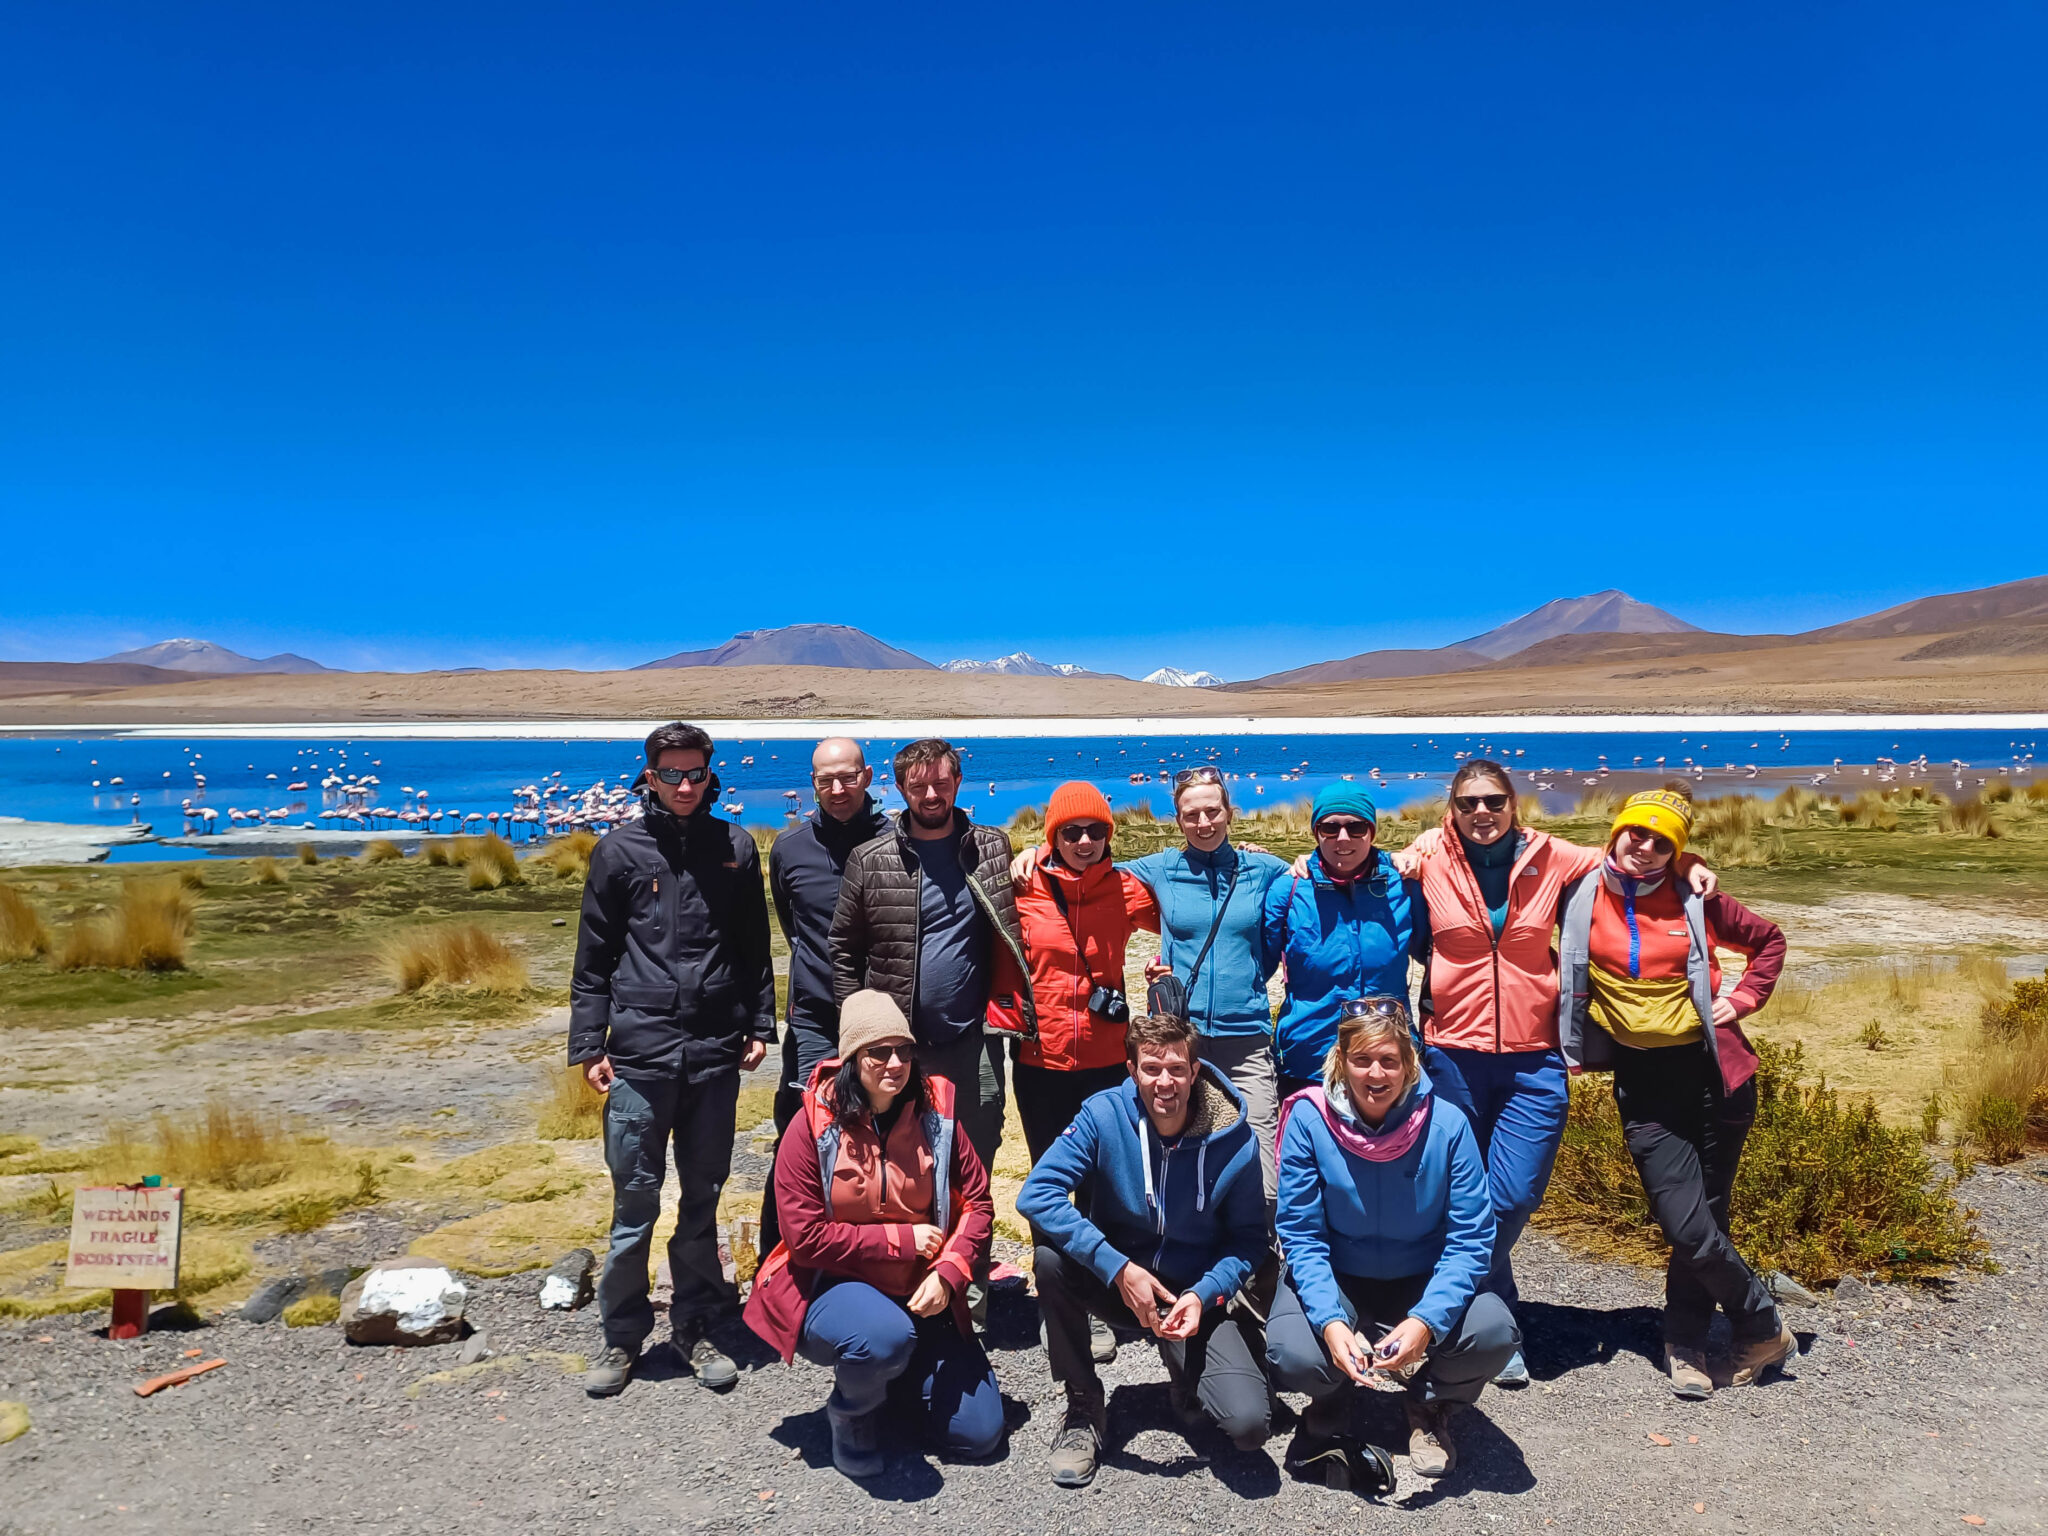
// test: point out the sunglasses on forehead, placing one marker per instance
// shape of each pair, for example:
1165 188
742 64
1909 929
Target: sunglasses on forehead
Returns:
1374 1008
1202 775
1470 803
680 775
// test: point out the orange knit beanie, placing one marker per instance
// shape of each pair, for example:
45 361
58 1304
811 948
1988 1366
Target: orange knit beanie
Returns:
1075 801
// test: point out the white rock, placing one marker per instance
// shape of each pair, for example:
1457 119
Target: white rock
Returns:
404 1301
557 1294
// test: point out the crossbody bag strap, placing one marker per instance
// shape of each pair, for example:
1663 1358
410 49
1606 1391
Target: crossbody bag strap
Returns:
1216 924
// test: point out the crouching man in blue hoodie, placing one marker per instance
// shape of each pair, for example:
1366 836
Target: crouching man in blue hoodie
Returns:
1386 1227
1170 1221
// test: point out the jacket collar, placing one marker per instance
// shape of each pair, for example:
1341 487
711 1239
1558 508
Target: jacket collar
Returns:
864 825
663 822
1223 860
1380 864
1215 1106
962 823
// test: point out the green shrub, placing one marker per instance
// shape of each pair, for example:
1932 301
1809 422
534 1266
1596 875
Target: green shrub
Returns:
1825 1189
1999 1128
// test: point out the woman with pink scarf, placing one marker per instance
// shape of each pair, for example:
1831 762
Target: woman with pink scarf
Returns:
1386 1226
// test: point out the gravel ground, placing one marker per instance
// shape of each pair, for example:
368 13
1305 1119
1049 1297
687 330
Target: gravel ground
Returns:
1907 1412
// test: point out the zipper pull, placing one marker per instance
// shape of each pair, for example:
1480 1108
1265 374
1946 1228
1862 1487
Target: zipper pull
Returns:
657 885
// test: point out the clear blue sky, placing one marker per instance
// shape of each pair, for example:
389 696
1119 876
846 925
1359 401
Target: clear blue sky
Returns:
1228 337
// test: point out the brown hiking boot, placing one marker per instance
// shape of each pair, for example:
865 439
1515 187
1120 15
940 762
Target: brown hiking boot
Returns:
1430 1451
1686 1364
1755 1361
1075 1448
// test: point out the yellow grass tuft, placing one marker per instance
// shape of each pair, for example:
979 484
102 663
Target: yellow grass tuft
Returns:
308 854
147 929
265 870
312 1311
454 955
488 861
1971 818
1598 802
192 877
2005 1103
381 850
566 858
572 1110
437 852
1872 812
23 935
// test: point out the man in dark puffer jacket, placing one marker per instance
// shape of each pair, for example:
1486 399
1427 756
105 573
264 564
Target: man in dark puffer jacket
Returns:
921 909
672 997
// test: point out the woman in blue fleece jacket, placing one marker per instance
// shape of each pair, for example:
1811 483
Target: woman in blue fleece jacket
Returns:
1345 929
1387 1229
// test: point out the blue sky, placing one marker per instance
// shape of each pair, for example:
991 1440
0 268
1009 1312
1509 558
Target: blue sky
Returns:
1226 337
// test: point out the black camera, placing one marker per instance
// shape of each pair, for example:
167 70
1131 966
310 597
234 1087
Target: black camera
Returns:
1111 1004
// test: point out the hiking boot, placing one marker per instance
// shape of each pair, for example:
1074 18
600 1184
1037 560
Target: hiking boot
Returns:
1515 1373
1753 1362
1075 1447
1686 1364
610 1371
1430 1451
714 1368
1101 1342
856 1439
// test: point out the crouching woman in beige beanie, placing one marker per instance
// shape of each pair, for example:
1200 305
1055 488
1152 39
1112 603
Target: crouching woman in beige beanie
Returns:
885 1217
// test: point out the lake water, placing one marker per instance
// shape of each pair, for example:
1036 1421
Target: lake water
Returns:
52 777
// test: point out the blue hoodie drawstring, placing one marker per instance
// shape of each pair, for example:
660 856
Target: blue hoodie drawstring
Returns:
1201 1174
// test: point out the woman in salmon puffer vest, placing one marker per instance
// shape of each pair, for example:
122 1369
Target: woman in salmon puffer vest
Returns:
885 1217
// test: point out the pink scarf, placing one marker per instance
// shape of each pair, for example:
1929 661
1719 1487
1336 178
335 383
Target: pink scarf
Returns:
1381 1146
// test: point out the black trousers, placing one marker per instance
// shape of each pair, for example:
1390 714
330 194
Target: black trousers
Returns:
803 1047
1685 1133
1455 1370
1048 1100
1218 1364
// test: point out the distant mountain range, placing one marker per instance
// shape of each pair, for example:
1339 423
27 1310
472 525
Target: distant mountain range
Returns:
1022 664
205 656
799 645
1173 677
2006 620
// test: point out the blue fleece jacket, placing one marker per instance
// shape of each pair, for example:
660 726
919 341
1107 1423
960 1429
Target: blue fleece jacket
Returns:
1199 1221
1339 942
1229 997
1426 1211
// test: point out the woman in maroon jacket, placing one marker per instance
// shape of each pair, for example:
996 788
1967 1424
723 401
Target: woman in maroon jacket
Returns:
885 1216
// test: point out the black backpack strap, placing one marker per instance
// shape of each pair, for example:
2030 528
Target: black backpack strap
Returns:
1216 924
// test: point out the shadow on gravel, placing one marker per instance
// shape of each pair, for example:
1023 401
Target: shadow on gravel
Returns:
907 1477
1488 1462
1557 1339
1135 1409
1012 1319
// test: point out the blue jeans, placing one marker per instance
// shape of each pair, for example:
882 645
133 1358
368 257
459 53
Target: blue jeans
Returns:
1516 1101
641 1117
921 1366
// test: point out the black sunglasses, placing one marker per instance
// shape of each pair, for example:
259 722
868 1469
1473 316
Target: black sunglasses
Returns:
678 775
1334 828
1474 802
882 1055
1075 831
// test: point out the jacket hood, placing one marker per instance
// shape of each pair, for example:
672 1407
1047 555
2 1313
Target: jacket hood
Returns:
1100 872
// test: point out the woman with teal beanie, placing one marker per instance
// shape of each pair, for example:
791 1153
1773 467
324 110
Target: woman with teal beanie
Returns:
1345 929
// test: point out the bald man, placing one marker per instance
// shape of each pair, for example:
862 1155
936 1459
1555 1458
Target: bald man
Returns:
804 870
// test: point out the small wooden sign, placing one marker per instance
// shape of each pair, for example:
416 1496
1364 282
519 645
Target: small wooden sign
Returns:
125 1238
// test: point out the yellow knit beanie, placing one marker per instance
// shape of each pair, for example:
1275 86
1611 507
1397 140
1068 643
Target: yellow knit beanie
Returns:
1659 811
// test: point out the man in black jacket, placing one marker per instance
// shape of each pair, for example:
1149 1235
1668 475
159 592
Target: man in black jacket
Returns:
921 912
673 996
804 870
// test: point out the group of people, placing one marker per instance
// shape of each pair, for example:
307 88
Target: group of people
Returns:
1314 1203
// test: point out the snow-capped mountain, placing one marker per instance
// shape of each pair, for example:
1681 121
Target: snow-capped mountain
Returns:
1022 664
1173 677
